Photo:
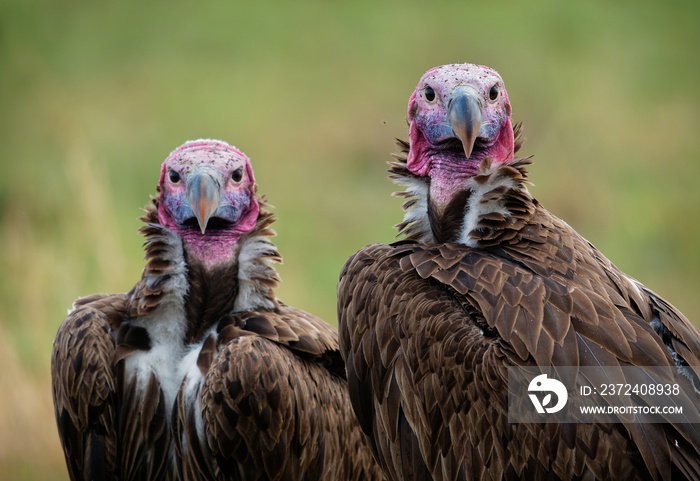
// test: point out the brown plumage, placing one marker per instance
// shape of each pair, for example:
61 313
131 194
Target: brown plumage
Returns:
429 325
200 372
274 404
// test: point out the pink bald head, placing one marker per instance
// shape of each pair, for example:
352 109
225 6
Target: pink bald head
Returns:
207 195
459 115
431 129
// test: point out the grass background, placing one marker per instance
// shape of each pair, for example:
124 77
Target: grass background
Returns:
94 95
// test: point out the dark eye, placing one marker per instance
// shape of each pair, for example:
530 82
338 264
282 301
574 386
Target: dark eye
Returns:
237 175
429 94
493 93
174 176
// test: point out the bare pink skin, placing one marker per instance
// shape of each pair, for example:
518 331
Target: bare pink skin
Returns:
448 168
216 245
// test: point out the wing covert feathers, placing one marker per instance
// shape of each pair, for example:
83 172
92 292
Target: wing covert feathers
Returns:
281 417
427 331
274 405
84 392
305 335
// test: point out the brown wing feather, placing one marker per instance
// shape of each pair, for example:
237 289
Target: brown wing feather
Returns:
85 391
272 407
304 334
144 435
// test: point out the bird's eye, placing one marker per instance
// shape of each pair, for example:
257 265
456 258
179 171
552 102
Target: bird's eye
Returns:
237 175
429 94
174 176
493 93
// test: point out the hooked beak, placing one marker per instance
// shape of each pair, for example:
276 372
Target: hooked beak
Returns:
464 113
204 193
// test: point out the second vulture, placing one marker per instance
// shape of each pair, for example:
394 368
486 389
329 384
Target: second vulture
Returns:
488 279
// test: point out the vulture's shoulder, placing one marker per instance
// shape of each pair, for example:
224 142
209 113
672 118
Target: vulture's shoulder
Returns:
299 332
86 342
112 306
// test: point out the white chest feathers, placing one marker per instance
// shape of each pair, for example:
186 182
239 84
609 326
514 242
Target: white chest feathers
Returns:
166 328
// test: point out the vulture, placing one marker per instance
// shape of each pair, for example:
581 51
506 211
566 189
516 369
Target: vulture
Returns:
199 372
487 279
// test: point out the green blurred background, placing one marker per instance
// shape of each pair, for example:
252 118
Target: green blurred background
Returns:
94 95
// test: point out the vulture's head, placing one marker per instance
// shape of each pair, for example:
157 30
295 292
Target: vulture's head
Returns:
207 196
459 115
